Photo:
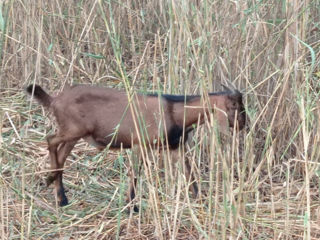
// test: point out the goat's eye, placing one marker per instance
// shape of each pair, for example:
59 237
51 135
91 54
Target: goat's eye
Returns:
233 104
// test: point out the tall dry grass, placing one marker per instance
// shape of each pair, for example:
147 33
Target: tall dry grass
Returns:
263 184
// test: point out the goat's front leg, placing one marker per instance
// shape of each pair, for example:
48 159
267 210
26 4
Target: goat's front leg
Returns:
175 156
190 178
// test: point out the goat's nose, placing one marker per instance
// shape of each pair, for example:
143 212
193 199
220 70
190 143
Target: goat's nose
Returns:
242 123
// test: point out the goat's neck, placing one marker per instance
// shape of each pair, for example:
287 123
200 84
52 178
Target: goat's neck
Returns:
186 114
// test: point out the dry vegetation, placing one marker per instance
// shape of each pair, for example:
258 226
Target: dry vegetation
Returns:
263 184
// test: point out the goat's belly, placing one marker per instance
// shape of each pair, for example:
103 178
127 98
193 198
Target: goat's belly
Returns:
94 142
101 143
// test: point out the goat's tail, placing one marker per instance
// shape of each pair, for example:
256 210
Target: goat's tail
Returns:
43 98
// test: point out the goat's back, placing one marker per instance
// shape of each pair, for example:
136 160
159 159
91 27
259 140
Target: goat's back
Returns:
100 112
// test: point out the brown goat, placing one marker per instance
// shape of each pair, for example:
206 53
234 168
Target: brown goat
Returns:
106 117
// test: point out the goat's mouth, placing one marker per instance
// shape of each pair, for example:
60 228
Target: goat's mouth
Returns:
240 123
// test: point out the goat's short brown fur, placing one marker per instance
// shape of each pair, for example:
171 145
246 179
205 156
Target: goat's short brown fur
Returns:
102 116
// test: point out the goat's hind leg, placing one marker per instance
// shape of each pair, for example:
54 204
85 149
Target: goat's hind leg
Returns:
190 178
53 152
57 159
63 152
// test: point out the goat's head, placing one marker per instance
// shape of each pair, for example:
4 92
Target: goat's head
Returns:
234 107
230 110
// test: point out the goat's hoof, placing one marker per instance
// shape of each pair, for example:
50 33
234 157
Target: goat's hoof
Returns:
50 179
63 202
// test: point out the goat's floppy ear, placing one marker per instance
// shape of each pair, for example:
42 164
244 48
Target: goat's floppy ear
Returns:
221 117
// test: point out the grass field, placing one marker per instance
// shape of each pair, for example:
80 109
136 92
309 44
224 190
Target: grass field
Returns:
261 184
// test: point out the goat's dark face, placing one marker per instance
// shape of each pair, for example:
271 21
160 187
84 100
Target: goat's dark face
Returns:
234 106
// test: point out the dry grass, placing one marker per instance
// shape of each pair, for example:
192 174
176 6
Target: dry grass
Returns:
263 184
